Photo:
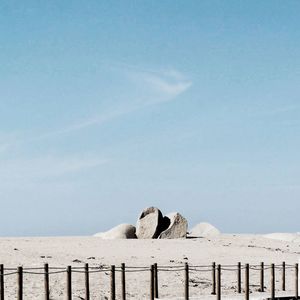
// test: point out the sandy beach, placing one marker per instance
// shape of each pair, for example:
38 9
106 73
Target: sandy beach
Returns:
225 249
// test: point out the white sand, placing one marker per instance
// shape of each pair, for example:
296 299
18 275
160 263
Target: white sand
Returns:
223 249
288 237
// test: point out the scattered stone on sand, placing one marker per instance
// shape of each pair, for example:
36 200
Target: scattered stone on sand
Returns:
204 230
122 231
151 223
177 228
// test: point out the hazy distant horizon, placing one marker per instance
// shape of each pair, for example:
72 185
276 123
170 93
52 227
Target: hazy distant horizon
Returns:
110 107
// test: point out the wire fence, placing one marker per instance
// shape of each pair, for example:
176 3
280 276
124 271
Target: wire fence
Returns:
277 275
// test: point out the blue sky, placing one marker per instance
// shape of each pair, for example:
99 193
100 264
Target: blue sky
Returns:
107 107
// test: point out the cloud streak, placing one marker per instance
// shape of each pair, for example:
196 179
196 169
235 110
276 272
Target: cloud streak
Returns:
170 87
161 85
42 168
169 83
158 86
277 111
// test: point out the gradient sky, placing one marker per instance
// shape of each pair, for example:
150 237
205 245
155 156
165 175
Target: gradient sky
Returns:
107 107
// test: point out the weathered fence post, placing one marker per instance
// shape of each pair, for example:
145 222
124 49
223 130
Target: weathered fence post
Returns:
87 281
20 283
283 276
213 277
296 280
1 282
123 281
247 290
155 281
262 277
239 278
272 281
69 283
46 281
219 282
152 282
112 282
186 290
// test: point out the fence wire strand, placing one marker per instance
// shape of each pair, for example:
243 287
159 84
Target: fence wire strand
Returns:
136 269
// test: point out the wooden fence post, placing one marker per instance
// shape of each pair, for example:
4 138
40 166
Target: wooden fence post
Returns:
123 281
152 282
20 283
262 277
87 281
46 281
213 277
155 281
186 290
1 282
239 278
283 276
247 290
219 282
296 280
272 281
69 283
112 282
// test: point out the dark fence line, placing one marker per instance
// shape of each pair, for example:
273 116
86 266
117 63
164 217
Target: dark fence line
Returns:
216 273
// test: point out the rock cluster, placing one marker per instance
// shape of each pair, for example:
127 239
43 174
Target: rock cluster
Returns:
151 224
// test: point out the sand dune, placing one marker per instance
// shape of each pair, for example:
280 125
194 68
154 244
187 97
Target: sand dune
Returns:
204 229
288 237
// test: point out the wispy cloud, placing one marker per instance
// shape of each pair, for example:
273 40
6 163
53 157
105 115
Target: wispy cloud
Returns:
281 110
81 124
168 85
159 86
46 167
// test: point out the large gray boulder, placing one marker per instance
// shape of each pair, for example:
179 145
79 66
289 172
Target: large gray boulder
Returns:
122 231
177 228
151 223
